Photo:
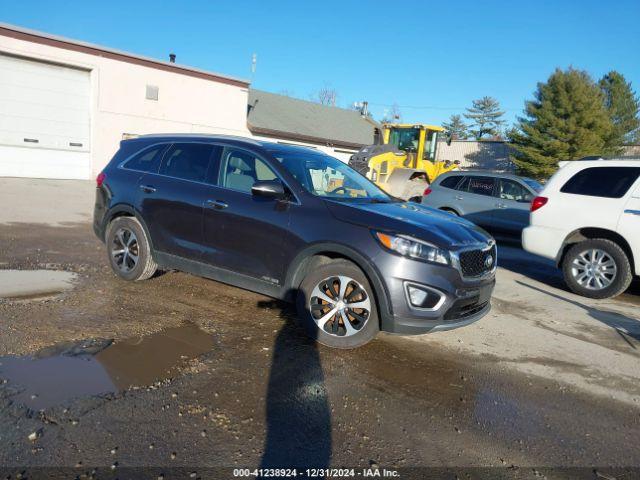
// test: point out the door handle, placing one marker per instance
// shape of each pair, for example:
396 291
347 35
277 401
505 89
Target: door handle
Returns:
147 188
501 205
217 204
459 197
633 212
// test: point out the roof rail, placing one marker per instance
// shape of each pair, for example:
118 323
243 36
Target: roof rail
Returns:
596 157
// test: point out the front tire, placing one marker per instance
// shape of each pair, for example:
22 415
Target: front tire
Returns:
129 250
337 307
597 268
451 211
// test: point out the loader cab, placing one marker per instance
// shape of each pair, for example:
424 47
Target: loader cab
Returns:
419 140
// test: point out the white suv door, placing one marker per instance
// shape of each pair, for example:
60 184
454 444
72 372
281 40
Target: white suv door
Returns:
629 224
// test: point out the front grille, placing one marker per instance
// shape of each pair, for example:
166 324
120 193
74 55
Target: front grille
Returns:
474 263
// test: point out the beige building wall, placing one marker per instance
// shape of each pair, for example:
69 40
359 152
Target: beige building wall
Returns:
119 105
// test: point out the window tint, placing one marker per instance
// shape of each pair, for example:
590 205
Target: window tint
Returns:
608 182
148 160
188 161
450 182
510 190
241 169
481 185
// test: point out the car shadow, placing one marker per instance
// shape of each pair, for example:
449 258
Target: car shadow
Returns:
628 328
298 415
512 257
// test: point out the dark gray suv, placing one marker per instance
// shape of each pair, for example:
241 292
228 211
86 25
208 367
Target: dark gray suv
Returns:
294 224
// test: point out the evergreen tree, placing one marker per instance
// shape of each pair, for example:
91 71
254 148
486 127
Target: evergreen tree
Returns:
566 120
623 107
486 117
456 128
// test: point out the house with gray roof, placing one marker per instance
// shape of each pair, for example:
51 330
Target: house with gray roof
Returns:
336 131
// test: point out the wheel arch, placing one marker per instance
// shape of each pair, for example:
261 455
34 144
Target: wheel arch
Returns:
322 253
590 233
124 210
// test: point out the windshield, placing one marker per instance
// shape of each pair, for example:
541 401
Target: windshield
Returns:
537 186
328 177
405 139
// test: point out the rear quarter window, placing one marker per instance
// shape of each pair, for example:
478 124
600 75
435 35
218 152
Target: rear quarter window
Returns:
606 182
148 160
451 182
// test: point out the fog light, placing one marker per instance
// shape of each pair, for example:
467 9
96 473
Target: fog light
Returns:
417 296
424 297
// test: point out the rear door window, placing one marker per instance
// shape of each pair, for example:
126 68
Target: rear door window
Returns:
187 161
147 160
481 185
450 182
607 182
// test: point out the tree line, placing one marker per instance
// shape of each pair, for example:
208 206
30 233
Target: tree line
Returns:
570 116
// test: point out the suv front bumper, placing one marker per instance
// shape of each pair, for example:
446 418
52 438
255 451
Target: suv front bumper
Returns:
464 300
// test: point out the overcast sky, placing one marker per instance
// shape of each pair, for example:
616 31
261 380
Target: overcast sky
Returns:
431 58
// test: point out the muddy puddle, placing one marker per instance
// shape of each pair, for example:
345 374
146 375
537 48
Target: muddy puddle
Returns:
55 377
33 284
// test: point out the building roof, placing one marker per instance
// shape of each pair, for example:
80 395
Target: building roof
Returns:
286 117
92 49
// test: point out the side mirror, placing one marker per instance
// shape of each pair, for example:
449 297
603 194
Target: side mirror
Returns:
268 189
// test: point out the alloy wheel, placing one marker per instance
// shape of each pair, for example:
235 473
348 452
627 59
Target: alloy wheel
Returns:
125 249
340 306
594 269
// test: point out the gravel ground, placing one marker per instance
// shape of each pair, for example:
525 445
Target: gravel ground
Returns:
546 379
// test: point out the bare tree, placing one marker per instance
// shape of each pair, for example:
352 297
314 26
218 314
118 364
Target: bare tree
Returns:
393 114
326 96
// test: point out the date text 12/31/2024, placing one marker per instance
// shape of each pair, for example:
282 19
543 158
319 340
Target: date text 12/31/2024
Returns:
315 473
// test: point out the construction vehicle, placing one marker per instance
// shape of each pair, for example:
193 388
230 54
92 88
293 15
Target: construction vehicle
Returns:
404 164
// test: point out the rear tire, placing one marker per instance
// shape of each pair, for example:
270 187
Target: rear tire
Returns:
333 294
597 268
129 250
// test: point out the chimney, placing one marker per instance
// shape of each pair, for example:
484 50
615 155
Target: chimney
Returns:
365 109
172 57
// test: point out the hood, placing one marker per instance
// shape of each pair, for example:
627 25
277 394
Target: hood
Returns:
442 229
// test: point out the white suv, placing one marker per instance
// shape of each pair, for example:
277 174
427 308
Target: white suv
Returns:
587 219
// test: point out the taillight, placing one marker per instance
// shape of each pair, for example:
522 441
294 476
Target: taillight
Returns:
427 191
100 179
538 202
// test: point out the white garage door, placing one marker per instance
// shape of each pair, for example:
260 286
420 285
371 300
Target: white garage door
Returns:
44 120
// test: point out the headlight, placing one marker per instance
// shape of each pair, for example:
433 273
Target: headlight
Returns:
413 248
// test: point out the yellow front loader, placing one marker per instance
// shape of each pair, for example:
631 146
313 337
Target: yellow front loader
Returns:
404 164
